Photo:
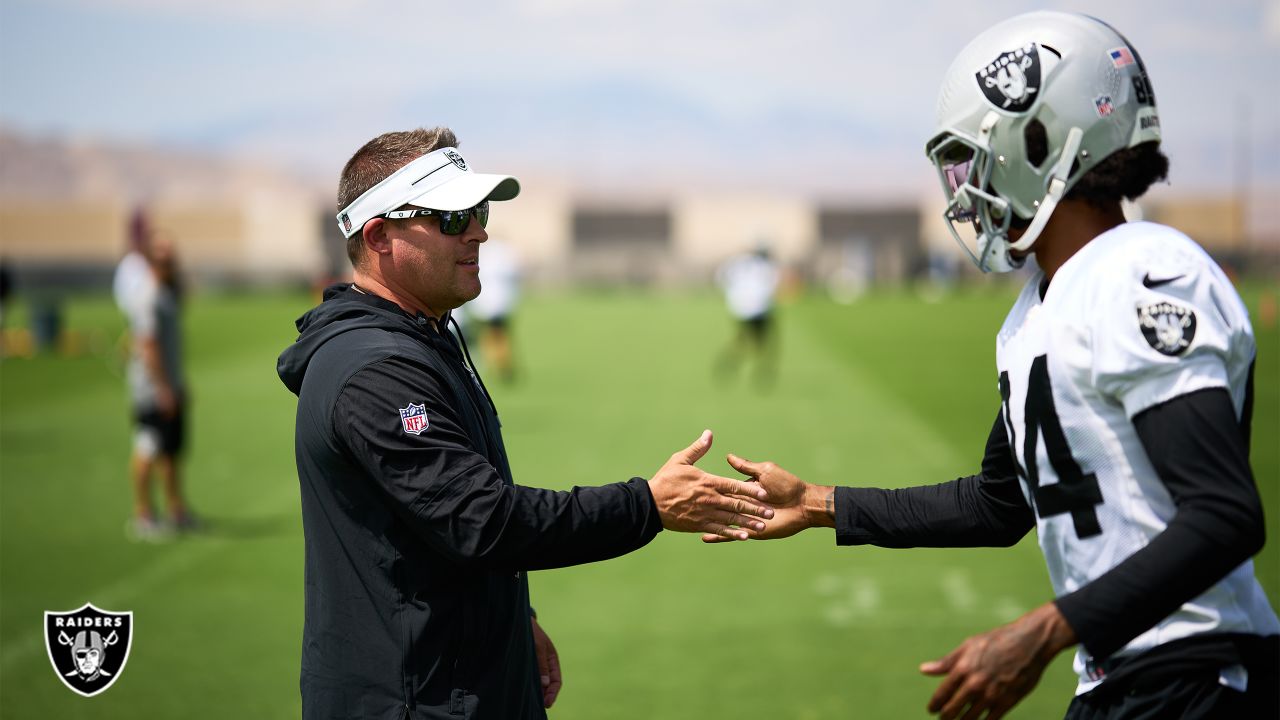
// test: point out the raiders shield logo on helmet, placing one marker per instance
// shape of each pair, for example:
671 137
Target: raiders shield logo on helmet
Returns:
88 647
1167 327
1012 80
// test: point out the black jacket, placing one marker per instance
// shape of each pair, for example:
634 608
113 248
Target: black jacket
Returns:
416 537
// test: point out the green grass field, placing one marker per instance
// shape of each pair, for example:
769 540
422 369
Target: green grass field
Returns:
890 391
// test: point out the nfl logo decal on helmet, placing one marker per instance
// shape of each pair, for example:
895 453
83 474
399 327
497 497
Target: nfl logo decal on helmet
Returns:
88 647
414 419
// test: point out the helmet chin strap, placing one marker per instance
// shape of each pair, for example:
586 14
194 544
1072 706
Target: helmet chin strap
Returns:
1057 186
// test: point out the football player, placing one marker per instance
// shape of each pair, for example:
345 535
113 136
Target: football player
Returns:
1125 377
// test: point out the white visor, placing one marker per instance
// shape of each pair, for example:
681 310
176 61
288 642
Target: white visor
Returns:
440 180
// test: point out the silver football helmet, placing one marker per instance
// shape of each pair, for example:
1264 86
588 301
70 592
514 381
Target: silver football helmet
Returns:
1027 108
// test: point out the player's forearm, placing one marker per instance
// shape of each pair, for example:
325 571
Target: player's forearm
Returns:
973 511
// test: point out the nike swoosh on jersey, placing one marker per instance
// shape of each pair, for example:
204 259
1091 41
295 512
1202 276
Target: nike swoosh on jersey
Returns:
1147 281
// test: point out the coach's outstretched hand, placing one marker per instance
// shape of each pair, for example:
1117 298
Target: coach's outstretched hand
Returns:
690 500
797 504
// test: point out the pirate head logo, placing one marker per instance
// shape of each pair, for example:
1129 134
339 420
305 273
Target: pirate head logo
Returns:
88 647
1012 80
456 159
1167 327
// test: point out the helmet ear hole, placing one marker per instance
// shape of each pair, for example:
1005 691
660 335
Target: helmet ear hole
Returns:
1037 140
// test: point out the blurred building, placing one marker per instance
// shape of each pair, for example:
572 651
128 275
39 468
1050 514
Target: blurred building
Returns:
64 207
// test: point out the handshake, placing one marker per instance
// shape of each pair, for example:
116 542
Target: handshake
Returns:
772 503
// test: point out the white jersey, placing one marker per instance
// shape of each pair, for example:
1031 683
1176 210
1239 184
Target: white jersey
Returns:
132 278
499 282
749 282
1138 316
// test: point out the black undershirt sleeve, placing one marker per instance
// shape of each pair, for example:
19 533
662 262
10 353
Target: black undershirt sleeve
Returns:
983 510
1199 450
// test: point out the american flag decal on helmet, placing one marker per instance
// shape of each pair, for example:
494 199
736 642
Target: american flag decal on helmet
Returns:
1121 57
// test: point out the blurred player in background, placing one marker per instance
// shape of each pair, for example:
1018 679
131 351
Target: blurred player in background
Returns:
494 307
750 283
150 297
1125 374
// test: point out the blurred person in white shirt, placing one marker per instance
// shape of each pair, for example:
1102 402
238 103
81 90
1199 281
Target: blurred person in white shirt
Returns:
150 297
750 282
494 307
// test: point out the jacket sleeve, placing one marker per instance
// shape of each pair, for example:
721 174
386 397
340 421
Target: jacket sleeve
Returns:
983 510
399 424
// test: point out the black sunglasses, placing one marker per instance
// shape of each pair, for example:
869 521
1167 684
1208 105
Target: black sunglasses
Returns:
452 222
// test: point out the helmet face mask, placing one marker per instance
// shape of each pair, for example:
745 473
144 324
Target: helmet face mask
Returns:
1069 80
978 220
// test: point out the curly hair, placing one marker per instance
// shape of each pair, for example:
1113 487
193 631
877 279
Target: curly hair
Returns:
1125 174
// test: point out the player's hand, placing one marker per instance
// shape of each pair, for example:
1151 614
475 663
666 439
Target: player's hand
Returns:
797 505
548 664
690 500
991 672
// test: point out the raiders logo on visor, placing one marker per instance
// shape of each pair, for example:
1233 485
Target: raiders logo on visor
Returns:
456 159
1012 80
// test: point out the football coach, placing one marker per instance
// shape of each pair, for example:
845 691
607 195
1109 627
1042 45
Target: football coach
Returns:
417 539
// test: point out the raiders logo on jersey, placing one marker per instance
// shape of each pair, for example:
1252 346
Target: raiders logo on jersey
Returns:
1167 327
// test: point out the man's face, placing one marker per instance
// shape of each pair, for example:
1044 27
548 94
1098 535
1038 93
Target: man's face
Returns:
87 660
440 271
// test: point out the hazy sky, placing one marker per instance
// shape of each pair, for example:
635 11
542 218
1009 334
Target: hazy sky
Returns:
822 97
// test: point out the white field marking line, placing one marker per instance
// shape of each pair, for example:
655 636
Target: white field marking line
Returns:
113 596
958 590
117 594
853 598
1006 609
